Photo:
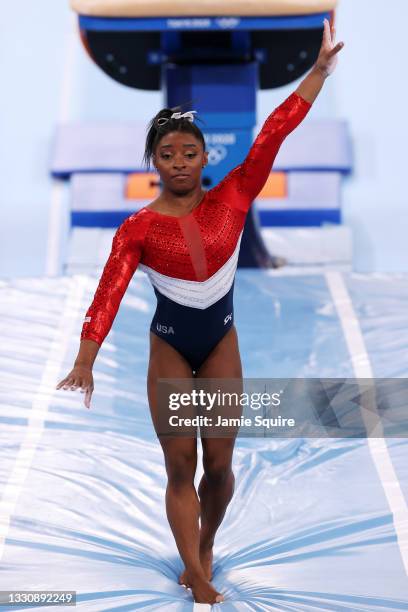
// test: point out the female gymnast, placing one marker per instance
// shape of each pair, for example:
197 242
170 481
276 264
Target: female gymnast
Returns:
187 241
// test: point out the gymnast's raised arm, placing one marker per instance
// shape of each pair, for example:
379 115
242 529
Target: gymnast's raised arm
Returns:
241 186
325 64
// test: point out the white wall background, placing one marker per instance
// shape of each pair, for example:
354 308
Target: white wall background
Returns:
46 76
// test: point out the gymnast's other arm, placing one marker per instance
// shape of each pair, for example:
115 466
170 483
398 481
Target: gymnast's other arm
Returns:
117 273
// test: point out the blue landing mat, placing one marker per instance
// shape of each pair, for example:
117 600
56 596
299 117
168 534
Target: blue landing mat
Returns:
312 526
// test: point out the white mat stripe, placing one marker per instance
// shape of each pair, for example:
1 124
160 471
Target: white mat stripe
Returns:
41 402
377 446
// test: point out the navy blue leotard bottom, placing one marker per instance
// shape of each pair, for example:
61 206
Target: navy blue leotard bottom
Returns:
193 332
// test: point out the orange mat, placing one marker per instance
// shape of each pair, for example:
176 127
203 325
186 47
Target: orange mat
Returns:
142 186
275 186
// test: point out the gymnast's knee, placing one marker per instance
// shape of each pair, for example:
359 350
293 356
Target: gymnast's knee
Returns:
181 469
217 470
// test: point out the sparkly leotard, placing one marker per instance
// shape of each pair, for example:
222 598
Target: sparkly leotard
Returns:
191 260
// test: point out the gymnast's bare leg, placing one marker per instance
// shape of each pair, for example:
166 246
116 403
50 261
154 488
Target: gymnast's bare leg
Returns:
180 454
217 484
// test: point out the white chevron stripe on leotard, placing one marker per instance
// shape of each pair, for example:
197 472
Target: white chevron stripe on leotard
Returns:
196 294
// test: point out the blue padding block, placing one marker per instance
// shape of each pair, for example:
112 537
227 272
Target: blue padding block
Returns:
98 218
322 144
225 111
298 218
152 24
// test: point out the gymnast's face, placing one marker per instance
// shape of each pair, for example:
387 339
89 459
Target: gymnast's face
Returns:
180 153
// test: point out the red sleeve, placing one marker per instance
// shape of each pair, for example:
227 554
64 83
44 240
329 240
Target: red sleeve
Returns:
241 186
119 269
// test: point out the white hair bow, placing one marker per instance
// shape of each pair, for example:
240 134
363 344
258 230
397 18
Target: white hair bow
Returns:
188 115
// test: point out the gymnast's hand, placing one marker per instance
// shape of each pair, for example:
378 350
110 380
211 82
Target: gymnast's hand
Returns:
327 59
81 378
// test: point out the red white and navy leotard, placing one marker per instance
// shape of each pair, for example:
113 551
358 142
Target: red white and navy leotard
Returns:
191 260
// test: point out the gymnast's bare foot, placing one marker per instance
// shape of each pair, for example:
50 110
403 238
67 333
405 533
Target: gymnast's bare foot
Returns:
183 578
203 590
206 558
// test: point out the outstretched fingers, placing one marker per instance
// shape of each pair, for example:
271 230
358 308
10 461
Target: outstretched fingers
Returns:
329 38
327 34
88 396
67 383
77 382
336 49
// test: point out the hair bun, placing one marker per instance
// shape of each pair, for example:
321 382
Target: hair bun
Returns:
164 115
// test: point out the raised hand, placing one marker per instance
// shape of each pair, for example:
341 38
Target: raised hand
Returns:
327 59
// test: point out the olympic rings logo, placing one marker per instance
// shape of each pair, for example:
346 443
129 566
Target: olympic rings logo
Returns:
216 154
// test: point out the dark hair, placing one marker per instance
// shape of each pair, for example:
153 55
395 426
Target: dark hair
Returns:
156 132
